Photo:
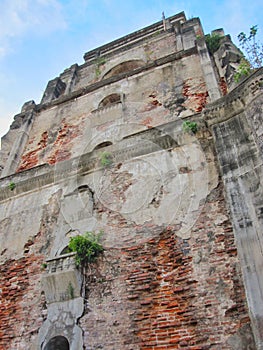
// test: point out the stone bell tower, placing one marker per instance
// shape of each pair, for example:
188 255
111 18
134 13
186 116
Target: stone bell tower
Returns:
152 144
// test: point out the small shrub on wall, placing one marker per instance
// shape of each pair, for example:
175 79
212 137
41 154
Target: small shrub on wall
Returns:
12 186
190 127
106 159
87 248
212 42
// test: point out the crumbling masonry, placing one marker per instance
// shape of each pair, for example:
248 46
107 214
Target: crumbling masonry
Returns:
181 212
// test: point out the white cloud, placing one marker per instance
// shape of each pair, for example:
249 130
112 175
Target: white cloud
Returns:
19 18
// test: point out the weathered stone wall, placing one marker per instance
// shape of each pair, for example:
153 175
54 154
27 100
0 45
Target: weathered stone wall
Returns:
171 273
150 99
26 224
169 292
160 75
237 129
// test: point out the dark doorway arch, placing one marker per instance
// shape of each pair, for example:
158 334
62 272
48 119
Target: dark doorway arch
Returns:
57 343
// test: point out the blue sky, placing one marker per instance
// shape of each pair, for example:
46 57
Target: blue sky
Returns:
41 38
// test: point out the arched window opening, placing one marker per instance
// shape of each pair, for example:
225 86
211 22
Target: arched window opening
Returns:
57 343
65 251
123 67
102 145
110 100
83 188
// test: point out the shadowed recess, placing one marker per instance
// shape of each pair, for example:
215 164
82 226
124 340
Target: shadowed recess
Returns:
57 343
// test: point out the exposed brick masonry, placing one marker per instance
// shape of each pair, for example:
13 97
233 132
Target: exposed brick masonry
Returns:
20 307
180 293
196 94
60 150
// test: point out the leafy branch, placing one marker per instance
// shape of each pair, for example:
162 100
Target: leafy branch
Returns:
253 49
243 70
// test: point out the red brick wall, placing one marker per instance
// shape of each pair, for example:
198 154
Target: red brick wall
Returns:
20 302
169 293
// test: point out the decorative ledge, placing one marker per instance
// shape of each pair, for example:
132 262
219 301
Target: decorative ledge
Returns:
61 263
234 103
46 174
62 280
135 37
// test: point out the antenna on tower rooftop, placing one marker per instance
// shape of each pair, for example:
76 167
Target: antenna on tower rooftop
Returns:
164 21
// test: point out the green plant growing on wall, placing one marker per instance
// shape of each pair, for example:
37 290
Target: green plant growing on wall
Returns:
243 70
87 248
12 186
70 290
99 62
43 266
106 159
156 33
190 127
212 42
97 72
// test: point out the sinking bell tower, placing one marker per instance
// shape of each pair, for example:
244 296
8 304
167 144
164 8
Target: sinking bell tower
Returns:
151 146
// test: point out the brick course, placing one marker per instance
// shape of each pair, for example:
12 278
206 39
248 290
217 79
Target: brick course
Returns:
21 302
169 293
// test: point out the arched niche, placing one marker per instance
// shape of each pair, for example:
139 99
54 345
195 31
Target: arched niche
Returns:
65 250
57 343
82 188
110 100
102 145
123 67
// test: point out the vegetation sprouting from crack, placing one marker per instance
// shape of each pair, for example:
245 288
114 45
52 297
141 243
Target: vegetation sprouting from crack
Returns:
87 247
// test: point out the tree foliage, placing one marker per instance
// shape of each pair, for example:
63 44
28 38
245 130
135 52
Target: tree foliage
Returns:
254 54
252 48
243 70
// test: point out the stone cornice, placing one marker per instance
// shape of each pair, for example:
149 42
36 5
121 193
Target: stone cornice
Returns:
92 87
128 40
33 179
234 103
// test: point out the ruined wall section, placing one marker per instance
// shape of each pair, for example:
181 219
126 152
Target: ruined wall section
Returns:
227 59
161 292
171 91
170 272
144 46
16 139
159 77
164 44
175 280
26 227
236 123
